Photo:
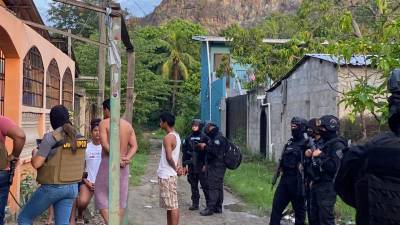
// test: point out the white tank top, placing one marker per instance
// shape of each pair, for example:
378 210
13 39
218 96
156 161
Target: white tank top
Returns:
164 169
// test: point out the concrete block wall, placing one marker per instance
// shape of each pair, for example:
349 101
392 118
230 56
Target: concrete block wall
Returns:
306 93
253 120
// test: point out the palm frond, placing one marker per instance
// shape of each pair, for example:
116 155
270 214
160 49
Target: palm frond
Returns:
189 60
166 69
183 70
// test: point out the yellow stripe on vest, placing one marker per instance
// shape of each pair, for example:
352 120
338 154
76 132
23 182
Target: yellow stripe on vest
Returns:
79 144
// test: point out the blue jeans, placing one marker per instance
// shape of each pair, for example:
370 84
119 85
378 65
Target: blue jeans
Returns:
4 188
59 195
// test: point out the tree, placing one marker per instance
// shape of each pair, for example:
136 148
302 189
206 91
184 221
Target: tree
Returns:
340 28
180 59
80 21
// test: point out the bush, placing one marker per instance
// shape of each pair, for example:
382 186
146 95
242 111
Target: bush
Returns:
183 125
139 162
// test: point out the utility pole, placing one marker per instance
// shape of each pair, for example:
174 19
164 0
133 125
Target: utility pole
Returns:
130 89
113 23
69 44
114 38
101 67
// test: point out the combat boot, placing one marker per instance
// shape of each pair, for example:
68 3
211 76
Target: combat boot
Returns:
206 212
194 207
218 210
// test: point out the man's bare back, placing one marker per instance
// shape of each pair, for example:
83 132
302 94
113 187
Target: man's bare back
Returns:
128 148
126 132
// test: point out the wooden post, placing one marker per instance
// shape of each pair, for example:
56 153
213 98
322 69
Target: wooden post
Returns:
130 87
101 67
115 96
69 44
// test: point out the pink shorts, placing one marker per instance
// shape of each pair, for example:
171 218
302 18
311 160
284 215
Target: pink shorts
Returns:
101 185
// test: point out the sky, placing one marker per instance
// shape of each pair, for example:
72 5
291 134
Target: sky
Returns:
137 8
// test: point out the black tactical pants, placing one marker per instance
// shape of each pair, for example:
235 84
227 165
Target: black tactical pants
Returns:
287 191
194 179
215 184
323 199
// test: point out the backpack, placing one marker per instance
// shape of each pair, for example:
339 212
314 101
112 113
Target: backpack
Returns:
378 187
232 155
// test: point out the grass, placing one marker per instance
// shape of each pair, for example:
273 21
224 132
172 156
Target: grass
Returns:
139 162
158 134
252 182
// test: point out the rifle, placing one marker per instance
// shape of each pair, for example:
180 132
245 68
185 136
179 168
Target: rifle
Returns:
277 170
276 175
12 171
301 171
311 144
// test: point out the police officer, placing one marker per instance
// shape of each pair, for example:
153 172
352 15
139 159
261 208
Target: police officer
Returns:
313 132
7 161
314 142
291 185
327 161
194 161
216 168
60 164
369 176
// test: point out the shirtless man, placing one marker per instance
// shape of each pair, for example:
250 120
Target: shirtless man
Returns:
128 148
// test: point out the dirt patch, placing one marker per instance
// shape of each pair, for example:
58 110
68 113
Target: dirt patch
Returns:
144 202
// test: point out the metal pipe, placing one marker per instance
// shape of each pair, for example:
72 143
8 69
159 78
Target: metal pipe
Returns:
269 128
209 77
269 132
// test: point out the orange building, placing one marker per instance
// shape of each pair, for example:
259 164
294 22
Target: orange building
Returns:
34 76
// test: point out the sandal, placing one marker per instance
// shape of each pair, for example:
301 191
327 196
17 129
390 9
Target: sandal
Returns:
80 222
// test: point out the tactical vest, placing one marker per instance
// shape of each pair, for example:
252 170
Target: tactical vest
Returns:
64 166
379 188
291 156
3 156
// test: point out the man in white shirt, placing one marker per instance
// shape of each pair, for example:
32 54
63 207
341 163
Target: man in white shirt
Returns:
168 169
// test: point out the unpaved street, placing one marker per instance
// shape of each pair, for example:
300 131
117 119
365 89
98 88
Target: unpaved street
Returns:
144 202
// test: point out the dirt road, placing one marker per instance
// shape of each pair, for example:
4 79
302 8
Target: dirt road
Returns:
144 208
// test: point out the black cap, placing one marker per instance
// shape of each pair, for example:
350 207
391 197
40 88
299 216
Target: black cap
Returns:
299 121
312 123
329 122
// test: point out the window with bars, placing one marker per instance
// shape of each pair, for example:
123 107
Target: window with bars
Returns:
33 79
52 85
67 90
2 80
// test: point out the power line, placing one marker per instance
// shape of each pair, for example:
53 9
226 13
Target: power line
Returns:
141 9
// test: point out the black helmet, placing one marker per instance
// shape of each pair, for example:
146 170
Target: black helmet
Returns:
394 81
329 122
210 123
196 121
